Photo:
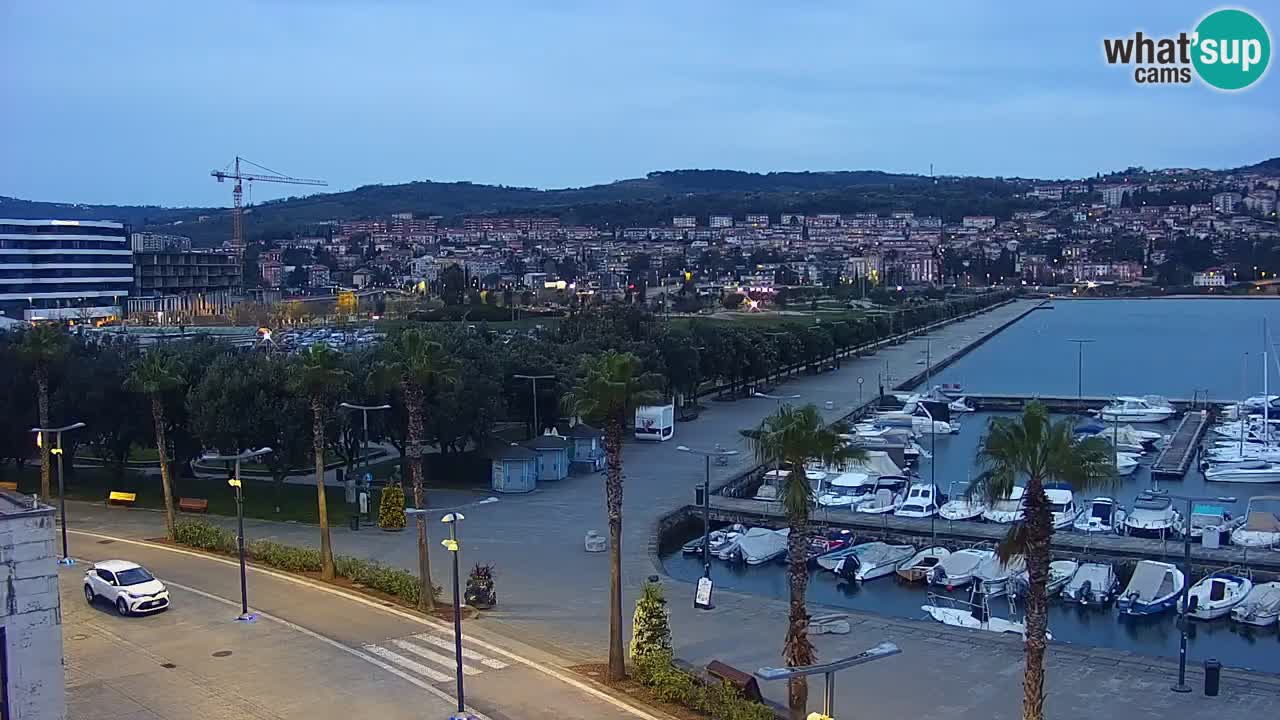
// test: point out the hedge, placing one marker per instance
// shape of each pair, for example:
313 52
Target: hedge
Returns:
396 582
670 684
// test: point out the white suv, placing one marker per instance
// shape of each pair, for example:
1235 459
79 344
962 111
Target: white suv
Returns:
126 585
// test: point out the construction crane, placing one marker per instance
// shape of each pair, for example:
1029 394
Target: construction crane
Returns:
237 192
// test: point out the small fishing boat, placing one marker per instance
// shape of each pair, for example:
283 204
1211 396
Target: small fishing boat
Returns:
1244 471
1092 584
974 615
1215 595
1210 519
1260 607
1060 573
1261 526
1102 515
956 570
922 501
918 566
1153 589
886 498
723 546
1007 510
717 537
831 559
962 509
760 545
993 574
1153 515
872 560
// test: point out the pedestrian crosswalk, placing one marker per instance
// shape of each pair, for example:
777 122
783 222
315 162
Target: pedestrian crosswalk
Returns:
431 656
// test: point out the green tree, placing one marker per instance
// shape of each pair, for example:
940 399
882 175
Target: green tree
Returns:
43 347
423 369
318 376
154 374
792 437
650 627
611 386
1033 449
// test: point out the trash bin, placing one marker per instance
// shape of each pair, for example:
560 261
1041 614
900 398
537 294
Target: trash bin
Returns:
355 521
1212 676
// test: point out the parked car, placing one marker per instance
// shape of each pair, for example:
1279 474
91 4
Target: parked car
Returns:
126 585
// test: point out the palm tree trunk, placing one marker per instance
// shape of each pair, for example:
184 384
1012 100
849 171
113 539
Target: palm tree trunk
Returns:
317 446
42 398
1039 529
613 501
162 450
797 650
413 445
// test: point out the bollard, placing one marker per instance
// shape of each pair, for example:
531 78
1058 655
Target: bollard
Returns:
1212 676
355 521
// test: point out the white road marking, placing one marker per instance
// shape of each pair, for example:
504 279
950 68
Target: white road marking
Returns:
466 654
446 661
406 663
543 668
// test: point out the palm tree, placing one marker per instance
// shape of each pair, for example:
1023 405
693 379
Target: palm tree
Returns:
793 437
42 347
612 385
423 368
1034 449
153 374
317 377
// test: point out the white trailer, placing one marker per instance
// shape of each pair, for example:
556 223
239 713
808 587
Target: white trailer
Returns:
656 422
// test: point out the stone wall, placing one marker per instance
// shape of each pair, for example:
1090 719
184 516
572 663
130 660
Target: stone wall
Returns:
30 611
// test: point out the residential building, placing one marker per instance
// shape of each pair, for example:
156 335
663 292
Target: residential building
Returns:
63 269
31 673
193 283
1226 202
1212 277
158 242
272 274
684 221
978 222
757 220
1113 195
317 276
721 221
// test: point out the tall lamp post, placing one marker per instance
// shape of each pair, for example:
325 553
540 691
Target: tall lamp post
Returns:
62 493
1080 343
829 670
234 482
706 500
364 412
1182 686
452 519
535 378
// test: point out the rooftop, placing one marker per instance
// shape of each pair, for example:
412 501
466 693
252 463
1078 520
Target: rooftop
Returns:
14 505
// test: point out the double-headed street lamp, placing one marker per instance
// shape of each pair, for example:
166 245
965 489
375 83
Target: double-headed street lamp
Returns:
235 483
451 543
718 452
1182 686
829 670
62 493
535 378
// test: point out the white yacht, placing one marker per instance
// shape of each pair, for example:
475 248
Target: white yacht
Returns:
921 502
1062 504
1245 471
1153 515
1215 595
962 509
1145 409
1261 526
844 489
887 496
1008 510
1260 607
1103 515
971 615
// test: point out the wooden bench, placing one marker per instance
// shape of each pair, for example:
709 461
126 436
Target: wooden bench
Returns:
193 505
116 497
10 486
745 682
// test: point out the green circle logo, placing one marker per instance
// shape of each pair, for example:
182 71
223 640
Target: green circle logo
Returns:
1232 49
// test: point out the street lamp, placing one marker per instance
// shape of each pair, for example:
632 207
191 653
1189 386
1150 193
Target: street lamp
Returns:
235 483
62 494
364 412
718 452
1080 343
1182 686
535 378
829 670
452 519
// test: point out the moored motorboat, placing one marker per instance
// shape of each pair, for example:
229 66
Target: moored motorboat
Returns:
971 615
1126 464
956 570
1102 515
844 489
1153 515
962 509
921 501
993 574
918 566
760 545
872 560
1060 573
1260 607
1215 595
1062 506
1244 471
887 497
1261 526
1132 409
1153 589
722 546
1007 510
1092 584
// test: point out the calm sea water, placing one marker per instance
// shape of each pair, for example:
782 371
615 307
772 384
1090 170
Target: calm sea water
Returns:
1161 347
1164 347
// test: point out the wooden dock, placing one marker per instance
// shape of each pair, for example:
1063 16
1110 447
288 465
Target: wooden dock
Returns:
1175 459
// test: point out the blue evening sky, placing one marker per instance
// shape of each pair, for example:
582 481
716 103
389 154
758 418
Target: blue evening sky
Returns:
134 102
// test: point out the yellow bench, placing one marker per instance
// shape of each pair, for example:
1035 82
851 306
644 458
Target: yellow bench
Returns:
10 486
121 498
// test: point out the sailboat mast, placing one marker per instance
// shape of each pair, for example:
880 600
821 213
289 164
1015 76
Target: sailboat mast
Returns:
1266 398
1241 417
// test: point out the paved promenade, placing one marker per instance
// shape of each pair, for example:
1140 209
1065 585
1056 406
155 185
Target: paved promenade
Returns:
552 594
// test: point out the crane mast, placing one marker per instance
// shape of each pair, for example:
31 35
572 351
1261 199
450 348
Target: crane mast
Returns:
234 173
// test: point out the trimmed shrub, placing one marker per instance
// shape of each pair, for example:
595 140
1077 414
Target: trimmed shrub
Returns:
391 507
650 632
204 535
285 557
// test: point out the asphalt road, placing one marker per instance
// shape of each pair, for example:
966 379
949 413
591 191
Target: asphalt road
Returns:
313 652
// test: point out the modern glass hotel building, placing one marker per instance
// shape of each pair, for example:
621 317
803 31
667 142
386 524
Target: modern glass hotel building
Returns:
64 269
